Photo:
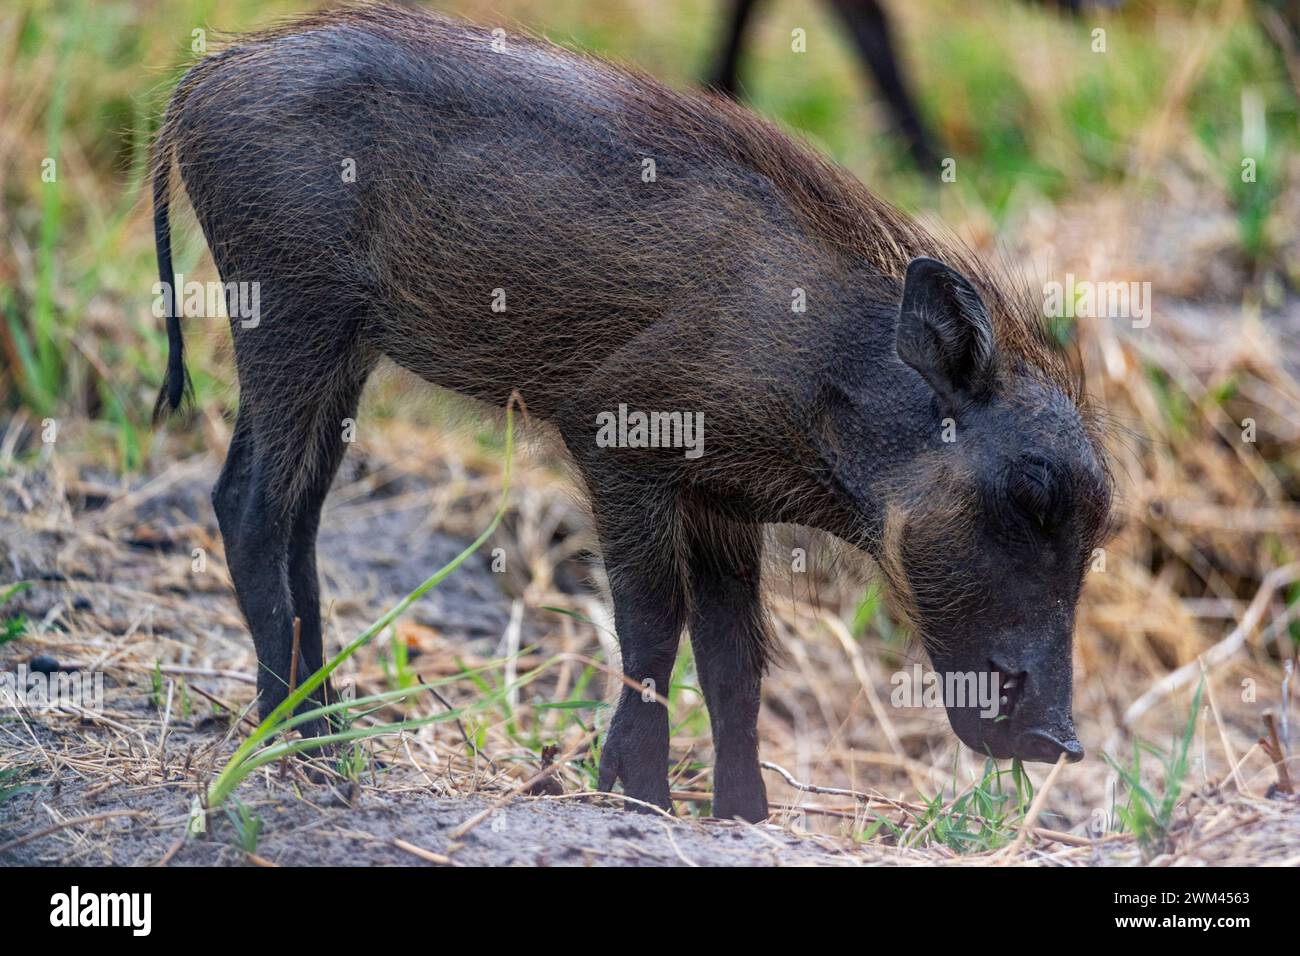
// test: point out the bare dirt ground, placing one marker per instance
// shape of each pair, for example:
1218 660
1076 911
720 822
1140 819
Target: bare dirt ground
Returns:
116 592
391 816
137 774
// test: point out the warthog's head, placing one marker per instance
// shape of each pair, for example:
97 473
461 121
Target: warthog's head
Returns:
988 534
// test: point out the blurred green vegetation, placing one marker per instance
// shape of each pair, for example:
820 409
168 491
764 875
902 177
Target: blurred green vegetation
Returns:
1015 93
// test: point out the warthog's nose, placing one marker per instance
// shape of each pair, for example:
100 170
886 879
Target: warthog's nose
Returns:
1039 745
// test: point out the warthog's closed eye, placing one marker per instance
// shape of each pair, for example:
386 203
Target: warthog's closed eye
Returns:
1037 494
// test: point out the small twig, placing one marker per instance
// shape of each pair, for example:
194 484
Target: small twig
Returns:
427 855
1031 818
1236 768
1229 752
418 851
676 849
184 671
225 705
171 852
1273 747
1220 652
601 795
1287 670
98 718
162 734
514 631
1069 839
515 791
832 791
691 796
459 724
1186 851
293 661
74 822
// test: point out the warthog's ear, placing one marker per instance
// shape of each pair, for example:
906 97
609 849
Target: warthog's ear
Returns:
944 331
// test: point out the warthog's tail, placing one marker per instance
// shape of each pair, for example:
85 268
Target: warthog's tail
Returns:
176 385
176 381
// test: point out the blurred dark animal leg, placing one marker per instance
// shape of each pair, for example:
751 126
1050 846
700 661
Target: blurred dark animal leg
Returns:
725 76
870 29
1281 20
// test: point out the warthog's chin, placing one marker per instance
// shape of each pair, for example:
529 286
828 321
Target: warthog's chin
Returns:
1008 738
1045 747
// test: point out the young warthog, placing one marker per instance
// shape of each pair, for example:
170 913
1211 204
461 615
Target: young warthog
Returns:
493 213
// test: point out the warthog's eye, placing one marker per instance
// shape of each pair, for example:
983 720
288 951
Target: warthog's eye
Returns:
1034 491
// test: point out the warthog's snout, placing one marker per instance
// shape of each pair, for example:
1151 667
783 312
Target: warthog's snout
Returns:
1021 737
1023 712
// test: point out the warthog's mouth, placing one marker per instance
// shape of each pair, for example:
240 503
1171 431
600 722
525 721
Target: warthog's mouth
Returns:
1022 728
1010 687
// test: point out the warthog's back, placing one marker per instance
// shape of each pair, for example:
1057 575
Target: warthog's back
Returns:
434 171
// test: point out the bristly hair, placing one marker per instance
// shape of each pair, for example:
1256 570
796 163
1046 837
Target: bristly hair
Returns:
843 214
856 225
